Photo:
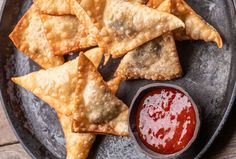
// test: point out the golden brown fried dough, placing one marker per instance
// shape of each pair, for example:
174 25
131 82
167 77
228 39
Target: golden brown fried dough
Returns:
114 84
138 1
28 37
71 7
117 126
155 60
56 86
90 13
165 6
124 26
98 111
154 3
94 55
84 17
77 144
195 27
77 90
95 9
53 7
65 34
128 25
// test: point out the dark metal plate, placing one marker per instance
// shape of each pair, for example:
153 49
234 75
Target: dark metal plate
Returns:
210 75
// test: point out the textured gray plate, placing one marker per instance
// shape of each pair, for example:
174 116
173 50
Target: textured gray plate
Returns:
209 78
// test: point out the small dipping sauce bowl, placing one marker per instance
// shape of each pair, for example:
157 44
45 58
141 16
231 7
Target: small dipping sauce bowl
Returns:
163 120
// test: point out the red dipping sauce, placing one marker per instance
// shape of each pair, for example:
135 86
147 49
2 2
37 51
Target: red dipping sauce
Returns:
166 120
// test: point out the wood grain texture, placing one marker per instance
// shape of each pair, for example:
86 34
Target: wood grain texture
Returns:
14 151
6 134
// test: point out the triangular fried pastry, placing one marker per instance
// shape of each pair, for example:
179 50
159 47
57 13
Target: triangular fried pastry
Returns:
114 84
129 25
155 60
28 37
195 27
56 86
77 144
125 26
93 8
54 7
154 3
84 17
94 55
65 34
81 37
165 6
90 13
98 111
77 90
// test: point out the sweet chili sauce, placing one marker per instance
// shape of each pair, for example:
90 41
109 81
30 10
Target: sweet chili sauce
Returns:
166 120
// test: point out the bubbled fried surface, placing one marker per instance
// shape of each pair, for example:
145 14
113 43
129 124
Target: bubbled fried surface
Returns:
28 37
128 25
196 28
155 60
77 90
78 145
99 111
54 7
65 34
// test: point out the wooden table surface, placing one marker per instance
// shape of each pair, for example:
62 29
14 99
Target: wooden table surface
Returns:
223 148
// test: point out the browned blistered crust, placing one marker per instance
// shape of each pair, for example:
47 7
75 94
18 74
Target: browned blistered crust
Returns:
28 37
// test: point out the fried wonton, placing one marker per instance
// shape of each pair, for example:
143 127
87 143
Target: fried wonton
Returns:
165 6
196 27
77 144
94 55
77 90
155 60
28 37
154 3
53 7
114 84
85 17
99 111
89 13
128 25
124 25
65 34
138 1
70 8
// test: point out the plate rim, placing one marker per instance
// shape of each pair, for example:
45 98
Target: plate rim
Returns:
232 101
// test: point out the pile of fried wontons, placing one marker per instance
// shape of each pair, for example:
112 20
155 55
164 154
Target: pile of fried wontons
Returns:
142 32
